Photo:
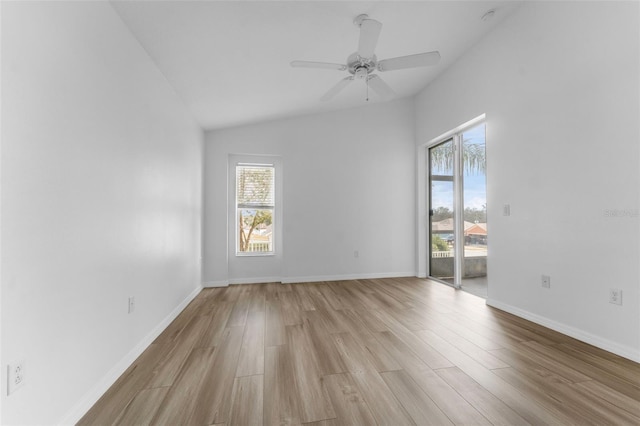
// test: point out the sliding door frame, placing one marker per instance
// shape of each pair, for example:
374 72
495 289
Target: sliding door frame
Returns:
424 197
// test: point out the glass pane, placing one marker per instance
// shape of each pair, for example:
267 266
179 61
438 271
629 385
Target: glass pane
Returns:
441 257
441 159
255 186
474 269
256 231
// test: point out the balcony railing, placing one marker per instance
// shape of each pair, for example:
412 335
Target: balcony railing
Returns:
442 253
259 247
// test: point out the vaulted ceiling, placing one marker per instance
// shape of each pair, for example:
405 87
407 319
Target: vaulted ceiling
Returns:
229 60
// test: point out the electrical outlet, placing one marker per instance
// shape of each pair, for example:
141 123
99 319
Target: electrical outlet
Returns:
546 281
615 296
132 304
15 377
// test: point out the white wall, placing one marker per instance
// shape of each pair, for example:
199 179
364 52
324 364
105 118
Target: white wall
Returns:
349 185
559 84
101 188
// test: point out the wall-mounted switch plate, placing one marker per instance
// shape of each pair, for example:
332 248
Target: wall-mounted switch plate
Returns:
506 210
132 304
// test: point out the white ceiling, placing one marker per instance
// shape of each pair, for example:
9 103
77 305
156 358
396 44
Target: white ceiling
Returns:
229 60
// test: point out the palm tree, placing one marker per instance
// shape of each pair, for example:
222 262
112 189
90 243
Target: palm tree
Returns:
473 157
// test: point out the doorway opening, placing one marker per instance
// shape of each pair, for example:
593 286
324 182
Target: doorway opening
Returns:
458 239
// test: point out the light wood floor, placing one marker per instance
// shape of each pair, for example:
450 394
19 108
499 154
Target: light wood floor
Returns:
387 352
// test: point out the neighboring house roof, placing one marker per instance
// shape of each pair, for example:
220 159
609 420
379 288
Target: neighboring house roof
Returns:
442 225
446 225
476 229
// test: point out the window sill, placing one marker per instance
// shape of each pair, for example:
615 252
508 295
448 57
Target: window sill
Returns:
253 254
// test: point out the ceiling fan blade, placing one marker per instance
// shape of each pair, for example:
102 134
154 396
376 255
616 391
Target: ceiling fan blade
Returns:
337 88
410 61
380 87
369 33
323 65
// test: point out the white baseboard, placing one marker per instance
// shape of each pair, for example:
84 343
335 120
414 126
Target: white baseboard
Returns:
592 339
316 278
81 408
307 278
209 284
256 280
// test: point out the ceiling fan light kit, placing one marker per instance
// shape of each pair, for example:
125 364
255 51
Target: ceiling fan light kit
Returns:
362 63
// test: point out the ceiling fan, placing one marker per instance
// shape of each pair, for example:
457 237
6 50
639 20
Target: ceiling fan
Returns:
362 63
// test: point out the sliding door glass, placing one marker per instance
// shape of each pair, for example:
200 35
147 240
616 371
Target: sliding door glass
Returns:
474 199
441 219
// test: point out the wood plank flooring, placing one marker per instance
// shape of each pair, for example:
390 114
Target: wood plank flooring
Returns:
402 351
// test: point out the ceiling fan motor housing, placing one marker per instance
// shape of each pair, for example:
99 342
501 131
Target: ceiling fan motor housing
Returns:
361 67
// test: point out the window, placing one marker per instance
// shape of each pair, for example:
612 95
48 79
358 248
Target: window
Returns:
255 205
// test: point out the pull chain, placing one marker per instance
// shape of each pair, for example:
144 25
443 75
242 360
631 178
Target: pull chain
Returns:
367 89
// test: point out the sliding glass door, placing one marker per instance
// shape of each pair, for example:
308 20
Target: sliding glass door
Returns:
458 210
